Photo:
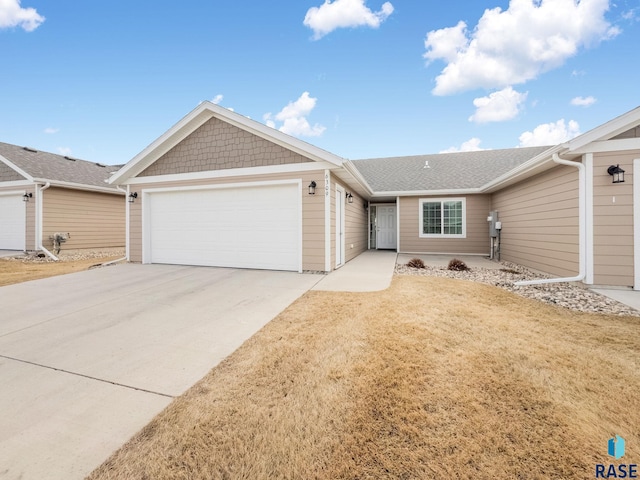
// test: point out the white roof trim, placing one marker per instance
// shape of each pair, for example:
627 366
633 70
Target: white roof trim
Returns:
233 172
196 118
79 186
17 169
618 145
429 193
607 130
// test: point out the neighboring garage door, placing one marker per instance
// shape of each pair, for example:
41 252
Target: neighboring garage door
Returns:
244 227
12 222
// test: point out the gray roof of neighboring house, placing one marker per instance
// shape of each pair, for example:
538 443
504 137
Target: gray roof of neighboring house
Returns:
58 168
445 171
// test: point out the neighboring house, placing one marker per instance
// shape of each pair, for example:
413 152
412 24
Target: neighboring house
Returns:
42 194
221 189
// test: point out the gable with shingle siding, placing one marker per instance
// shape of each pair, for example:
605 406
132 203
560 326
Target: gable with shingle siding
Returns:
218 145
9 174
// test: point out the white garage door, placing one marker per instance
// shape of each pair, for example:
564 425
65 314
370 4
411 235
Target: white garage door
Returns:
12 222
245 227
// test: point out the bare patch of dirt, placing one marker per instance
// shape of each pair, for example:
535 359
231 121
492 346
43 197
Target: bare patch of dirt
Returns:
432 378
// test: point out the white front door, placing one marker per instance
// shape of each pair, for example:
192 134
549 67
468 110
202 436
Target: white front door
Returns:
12 222
386 235
339 227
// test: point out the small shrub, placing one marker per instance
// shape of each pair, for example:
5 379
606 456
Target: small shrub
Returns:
457 265
415 263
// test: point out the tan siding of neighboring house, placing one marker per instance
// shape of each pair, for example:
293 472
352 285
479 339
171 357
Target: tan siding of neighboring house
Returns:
30 220
540 221
218 145
313 241
93 219
9 174
613 220
355 225
477 228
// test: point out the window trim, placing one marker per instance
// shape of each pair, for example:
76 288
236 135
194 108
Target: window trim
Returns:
422 201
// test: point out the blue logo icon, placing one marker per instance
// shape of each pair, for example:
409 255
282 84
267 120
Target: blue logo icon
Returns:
616 447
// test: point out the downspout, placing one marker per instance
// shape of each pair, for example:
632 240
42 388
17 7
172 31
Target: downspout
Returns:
582 225
39 219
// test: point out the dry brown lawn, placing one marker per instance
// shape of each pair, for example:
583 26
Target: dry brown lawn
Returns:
432 378
16 271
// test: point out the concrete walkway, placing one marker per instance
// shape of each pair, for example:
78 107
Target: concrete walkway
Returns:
370 271
628 297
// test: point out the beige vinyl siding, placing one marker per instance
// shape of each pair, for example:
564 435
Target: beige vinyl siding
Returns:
30 223
540 221
312 212
355 225
613 220
477 228
94 220
31 220
218 145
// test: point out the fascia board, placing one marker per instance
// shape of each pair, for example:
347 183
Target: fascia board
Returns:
618 145
187 125
196 118
232 172
79 186
607 130
430 193
17 169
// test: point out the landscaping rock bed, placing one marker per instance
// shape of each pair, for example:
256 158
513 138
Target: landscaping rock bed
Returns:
574 296
69 256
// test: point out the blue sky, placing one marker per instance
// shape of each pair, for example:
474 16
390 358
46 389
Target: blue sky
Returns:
102 80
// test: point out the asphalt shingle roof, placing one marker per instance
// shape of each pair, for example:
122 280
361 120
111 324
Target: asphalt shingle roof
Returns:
49 166
445 171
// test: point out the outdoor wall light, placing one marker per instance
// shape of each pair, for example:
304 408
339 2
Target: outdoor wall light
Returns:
312 187
27 196
132 197
617 173
349 197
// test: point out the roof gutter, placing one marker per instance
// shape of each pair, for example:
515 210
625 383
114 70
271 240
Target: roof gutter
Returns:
582 226
39 218
78 186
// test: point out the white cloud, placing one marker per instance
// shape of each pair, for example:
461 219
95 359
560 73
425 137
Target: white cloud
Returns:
515 45
583 101
471 145
64 150
294 118
550 134
217 99
498 106
51 131
344 14
13 15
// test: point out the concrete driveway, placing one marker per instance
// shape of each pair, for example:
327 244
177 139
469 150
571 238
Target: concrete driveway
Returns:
88 359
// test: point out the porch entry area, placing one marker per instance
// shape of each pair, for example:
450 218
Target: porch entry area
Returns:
383 226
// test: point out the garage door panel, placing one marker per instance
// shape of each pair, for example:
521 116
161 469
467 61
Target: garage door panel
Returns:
12 222
248 227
